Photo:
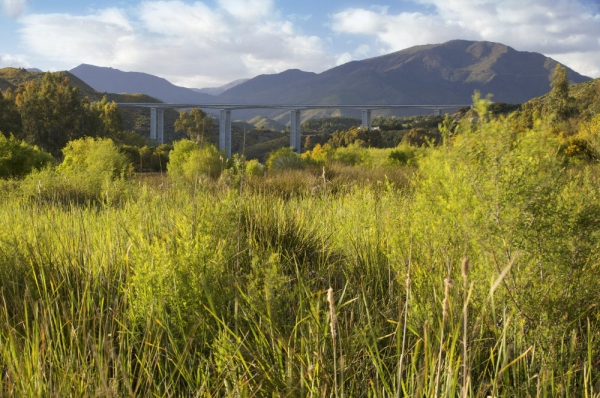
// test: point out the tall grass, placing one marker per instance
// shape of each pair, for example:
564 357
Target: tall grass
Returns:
203 290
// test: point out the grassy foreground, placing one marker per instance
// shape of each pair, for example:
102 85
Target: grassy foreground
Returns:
478 276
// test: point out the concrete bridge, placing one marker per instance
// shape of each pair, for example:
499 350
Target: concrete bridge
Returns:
157 131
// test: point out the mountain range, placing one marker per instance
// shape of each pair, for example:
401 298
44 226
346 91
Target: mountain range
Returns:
446 73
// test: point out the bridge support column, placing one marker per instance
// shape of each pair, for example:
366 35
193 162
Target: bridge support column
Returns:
295 131
225 132
366 119
161 126
152 123
437 112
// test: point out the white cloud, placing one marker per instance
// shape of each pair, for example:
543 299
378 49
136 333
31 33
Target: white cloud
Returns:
194 45
361 52
13 61
566 30
14 8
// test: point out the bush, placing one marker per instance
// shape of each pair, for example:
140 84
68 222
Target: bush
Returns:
254 168
188 160
284 158
353 155
93 169
94 157
17 158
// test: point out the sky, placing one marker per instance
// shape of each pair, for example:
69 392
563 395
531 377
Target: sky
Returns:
213 42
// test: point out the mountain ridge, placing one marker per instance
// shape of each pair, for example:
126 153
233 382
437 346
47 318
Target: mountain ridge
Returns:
111 80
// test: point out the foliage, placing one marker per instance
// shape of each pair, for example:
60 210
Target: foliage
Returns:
94 157
189 161
92 169
420 137
10 120
560 103
254 168
51 113
356 136
328 125
17 158
196 124
284 158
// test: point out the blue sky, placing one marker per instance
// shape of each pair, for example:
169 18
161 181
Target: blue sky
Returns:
212 42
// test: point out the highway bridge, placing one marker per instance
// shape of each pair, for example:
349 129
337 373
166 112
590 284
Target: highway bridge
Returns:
157 117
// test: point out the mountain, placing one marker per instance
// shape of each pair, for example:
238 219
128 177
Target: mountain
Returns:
111 80
445 73
219 90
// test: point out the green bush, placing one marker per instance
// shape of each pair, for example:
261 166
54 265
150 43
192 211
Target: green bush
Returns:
93 169
284 158
94 157
189 161
353 155
17 158
254 168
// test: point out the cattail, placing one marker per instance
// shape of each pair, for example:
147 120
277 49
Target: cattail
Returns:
465 268
333 334
447 285
331 312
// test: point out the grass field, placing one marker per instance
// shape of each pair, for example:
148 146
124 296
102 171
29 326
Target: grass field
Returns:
474 273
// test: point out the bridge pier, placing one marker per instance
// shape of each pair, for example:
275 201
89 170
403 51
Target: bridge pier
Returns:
366 119
437 112
161 126
152 123
225 132
295 131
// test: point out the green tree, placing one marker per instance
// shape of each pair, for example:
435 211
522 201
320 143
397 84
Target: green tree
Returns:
51 112
10 120
560 103
356 136
196 124
103 119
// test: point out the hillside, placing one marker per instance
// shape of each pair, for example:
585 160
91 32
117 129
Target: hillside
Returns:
134 119
445 73
111 80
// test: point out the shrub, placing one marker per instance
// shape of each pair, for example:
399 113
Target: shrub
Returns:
254 168
93 169
188 160
353 155
284 158
403 155
17 158
94 157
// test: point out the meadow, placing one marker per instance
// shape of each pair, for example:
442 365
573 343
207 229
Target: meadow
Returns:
467 269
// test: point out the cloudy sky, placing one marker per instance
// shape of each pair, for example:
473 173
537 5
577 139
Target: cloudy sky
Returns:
212 42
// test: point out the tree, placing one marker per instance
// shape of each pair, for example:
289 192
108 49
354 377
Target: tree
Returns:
103 119
196 124
559 102
10 120
51 112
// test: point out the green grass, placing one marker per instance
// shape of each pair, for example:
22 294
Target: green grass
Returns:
210 289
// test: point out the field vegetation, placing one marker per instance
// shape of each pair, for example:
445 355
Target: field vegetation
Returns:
467 266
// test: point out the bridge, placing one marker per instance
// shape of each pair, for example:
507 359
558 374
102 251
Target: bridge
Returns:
157 131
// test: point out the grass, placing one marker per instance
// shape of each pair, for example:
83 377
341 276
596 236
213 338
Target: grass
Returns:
311 283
